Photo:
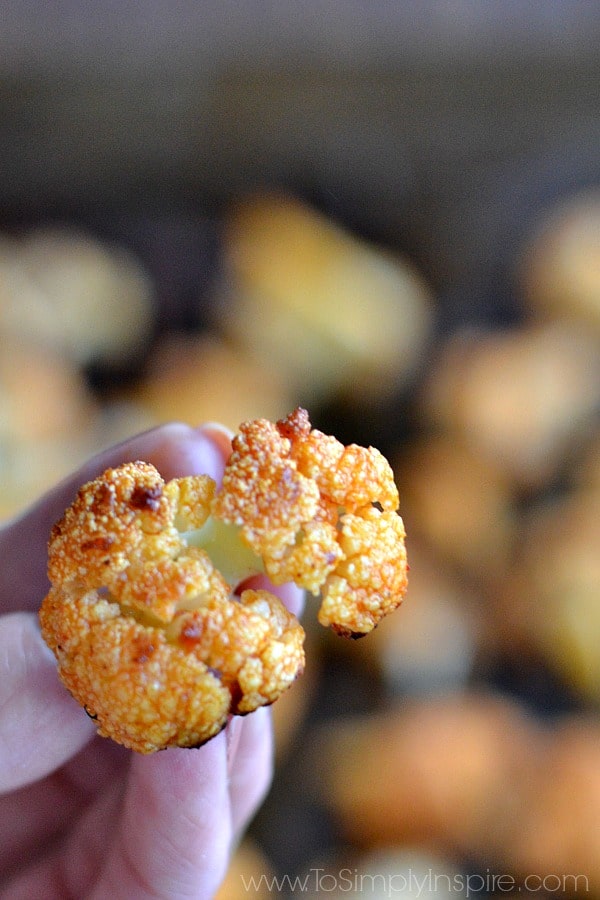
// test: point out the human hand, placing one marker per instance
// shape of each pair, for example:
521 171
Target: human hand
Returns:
81 817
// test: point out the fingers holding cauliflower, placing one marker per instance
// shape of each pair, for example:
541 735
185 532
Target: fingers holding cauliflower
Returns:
143 616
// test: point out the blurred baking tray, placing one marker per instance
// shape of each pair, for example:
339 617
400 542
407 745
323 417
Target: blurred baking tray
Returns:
106 100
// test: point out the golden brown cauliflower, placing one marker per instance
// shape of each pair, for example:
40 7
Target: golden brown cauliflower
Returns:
148 635
320 514
143 616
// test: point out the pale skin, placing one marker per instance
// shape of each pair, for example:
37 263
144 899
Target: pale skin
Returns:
81 817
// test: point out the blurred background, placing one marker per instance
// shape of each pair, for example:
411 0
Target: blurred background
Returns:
388 213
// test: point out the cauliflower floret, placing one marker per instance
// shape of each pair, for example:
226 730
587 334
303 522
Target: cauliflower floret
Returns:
321 515
149 636
143 616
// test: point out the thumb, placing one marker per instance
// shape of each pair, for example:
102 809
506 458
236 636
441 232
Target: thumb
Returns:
40 725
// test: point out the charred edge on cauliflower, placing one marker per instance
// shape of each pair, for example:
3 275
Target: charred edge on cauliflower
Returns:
142 613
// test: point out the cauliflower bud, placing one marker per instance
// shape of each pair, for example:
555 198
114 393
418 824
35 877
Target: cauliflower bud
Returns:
143 615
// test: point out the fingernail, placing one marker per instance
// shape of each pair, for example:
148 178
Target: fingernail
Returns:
220 434
177 449
233 733
203 454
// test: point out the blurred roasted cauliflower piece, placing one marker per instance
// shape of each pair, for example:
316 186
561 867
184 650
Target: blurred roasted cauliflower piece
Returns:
472 775
334 314
89 300
522 398
549 599
202 378
560 267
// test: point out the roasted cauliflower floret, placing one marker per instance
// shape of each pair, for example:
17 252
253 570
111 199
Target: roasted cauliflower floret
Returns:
149 636
143 615
320 514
